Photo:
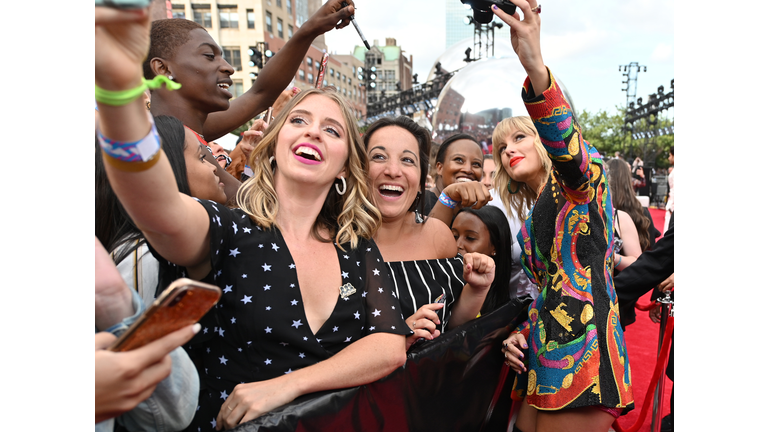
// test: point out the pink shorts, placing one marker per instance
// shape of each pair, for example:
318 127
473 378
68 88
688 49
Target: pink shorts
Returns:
615 412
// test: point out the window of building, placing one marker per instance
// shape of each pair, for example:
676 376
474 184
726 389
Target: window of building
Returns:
344 78
317 65
338 74
280 28
279 3
202 16
288 7
290 31
310 78
331 75
228 18
301 74
178 11
350 81
237 87
309 62
268 17
251 17
325 83
232 56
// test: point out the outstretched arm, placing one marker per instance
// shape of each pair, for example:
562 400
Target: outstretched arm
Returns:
174 223
279 71
479 271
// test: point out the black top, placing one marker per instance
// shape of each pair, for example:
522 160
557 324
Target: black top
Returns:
260 330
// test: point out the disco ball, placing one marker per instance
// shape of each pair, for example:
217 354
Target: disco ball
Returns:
479 96
453 58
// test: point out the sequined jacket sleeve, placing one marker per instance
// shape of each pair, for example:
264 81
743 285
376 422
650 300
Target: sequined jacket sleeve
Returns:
571 156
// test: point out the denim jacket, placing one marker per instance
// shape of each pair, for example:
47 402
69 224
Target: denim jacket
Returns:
172 405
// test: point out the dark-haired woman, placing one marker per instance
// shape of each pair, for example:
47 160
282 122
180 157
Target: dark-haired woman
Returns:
459 168
436 289
183 51
194 175
486 231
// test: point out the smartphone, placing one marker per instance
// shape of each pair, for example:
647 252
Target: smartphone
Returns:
183 303
124 4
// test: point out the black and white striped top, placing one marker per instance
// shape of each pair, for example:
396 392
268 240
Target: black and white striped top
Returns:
420 282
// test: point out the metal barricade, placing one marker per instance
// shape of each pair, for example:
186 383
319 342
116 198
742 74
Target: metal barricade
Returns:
667 310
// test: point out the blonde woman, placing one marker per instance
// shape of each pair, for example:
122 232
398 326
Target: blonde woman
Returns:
570 356
306 303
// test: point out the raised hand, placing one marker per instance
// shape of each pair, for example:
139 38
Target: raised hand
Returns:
525 35
122 44
331 15
468 194
479 270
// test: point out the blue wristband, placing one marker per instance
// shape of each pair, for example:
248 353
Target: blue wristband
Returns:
447 201
138 151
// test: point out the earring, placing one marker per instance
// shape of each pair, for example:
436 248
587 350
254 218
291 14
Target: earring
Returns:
170 77
148 105
271 160
509 187
344 183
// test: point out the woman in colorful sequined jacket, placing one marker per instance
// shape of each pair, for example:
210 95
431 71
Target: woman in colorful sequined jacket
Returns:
570 356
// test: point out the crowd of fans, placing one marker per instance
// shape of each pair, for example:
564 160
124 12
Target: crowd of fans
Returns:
336 253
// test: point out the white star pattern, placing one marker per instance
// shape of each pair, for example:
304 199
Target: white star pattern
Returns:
348 339
305 338
297 324
245 276
268 361
294 302
375 272
268 330
218 220
372 328
318 340
365 293
221 332
301 355
346 257
267 267
247 230
261 246
246 299
292 266
335 329
267 287
234 252
288 371
224 395
234 226
376 312
213 423
275 247
344 275
381 290
357 315
223 360
205 330
269 308
228 288
233 320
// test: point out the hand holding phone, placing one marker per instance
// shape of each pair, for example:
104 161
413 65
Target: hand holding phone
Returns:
183 303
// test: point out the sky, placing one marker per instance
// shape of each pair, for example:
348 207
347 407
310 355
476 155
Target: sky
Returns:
583 42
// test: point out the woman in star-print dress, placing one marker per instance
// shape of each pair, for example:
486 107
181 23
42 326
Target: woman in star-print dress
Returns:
573 372
307 302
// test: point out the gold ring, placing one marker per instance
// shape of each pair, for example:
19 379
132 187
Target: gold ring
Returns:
537 9
230 407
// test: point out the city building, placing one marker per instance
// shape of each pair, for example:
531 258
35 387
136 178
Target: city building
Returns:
264 26
394 71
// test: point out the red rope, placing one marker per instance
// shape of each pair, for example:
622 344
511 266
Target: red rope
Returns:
660 361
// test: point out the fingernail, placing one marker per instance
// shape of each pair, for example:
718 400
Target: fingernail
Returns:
525 345
521 356
494 7
196 328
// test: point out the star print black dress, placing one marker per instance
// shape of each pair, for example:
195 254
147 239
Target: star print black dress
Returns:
258 330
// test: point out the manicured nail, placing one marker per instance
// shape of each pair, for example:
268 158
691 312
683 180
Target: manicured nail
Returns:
494 7
521 356
525 345
196 328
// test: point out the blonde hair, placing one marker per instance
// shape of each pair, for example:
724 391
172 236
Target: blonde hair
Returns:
523 200
346 217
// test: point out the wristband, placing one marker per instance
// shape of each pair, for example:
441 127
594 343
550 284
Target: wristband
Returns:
123 97
133 156
617 264
447 201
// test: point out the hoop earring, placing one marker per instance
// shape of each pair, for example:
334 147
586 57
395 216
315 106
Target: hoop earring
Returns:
509 187
344 183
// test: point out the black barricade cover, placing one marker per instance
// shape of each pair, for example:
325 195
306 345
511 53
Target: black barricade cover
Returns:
457 382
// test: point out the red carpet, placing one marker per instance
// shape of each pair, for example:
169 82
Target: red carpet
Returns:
642 338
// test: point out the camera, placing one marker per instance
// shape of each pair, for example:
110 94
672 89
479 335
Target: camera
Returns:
482 12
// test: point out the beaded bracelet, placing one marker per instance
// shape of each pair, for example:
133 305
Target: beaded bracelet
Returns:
447 201
123 97
132 156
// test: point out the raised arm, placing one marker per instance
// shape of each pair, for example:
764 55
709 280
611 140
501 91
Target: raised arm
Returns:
479 271
279 71
138 170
